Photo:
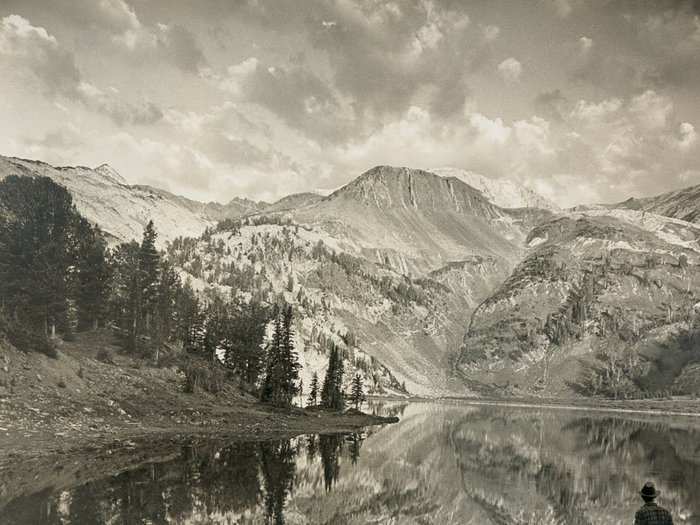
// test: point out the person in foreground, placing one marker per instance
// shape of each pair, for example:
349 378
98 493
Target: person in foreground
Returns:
651 513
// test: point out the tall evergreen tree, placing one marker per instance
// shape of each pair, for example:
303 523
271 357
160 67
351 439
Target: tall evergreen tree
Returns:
268 390
163 325
91 277
357 396
282 371
332 391
149 273
313 393
125 294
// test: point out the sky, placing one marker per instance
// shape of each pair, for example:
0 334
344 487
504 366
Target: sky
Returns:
581 100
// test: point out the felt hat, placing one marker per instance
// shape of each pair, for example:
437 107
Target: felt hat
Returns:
649 490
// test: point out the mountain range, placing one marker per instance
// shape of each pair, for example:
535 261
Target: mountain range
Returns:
437 282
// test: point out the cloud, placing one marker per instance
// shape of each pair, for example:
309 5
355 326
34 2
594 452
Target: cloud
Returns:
38 54
295 94
591 112
510 69
32 51
652 110
551 104
118 110
489 131
688 136
585 44
563 8
491 32
179 46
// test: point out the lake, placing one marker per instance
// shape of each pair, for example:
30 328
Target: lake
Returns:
443 463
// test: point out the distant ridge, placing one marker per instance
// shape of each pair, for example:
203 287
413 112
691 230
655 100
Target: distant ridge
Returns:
501 192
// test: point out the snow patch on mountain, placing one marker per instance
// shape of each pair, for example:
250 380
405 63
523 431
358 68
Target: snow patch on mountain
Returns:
501 192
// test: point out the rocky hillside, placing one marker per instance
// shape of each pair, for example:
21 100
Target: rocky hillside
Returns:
122 210
681 204
619 278
395 331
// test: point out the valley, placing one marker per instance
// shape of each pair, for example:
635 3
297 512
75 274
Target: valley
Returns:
431 288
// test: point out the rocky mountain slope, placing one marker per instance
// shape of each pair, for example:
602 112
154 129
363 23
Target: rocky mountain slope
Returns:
591 280
414 221
122 210
681 204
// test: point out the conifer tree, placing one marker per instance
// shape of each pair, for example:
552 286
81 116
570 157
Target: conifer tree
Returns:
91 275
313 393
282 370
331 393
357 395
149 273
268 390
34 251
163 325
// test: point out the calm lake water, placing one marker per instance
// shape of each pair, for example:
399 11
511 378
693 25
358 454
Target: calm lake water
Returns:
443 463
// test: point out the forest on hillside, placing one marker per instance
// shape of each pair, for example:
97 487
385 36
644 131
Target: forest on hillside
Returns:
58 277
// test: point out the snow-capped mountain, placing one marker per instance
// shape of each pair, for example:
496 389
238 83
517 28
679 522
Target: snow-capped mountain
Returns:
501 192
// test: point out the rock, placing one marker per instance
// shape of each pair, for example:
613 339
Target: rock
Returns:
39 378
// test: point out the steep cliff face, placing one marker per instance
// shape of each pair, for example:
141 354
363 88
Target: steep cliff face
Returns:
589 278
414 221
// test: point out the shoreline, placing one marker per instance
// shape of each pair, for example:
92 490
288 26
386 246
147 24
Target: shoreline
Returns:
677 407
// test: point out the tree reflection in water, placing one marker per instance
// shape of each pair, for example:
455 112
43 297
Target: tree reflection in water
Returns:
236 480
443 463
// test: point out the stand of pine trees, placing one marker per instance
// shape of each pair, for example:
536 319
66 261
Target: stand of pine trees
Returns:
281 381
52 263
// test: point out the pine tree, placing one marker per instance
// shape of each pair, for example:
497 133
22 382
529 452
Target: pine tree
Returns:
149 273
91 275
313 393
163 325
357 395
268 390
125 292
331 393
290 362
282 370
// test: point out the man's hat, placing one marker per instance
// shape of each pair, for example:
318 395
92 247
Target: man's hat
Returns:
649 490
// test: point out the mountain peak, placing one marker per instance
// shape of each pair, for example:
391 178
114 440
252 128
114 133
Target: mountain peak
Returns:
108 171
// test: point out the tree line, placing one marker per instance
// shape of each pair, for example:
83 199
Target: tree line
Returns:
58 277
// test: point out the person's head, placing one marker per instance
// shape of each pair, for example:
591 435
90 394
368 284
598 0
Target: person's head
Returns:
649 492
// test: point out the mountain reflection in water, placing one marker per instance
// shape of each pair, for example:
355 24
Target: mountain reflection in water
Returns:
443 463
